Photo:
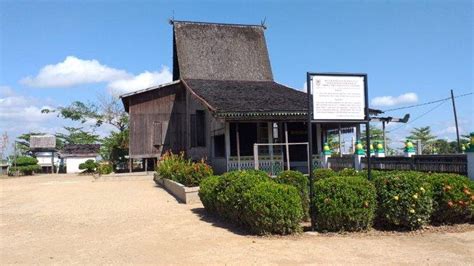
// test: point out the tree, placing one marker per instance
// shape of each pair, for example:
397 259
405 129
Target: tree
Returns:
3 145
423 134
76 135
376 134
109 111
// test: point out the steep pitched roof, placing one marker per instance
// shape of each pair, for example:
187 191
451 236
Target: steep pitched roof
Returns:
220 52
42 142
248 98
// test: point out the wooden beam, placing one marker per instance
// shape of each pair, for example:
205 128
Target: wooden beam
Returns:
227 144
287 147
238 144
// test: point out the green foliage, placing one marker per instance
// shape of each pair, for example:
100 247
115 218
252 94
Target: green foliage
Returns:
453 200
348 172
208 193
177 168
76 135
104 169
272 208
424 135
404 199
321 173
114 148
300 182
231 189
89 166
344 204
25 165
250 198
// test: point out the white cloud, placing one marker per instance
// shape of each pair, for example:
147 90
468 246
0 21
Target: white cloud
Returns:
140 81
406 98
6 91
74 71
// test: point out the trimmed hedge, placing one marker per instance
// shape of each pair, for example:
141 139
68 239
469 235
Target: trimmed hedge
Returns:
300 182
322 173
453 200
344 204
25 165
88 166
250 198
208 193
230 197
404 199
272 208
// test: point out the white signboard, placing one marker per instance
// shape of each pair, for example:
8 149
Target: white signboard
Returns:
338 97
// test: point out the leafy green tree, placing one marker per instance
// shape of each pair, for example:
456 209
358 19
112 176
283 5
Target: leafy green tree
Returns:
76 135
376 134
424 135
114 148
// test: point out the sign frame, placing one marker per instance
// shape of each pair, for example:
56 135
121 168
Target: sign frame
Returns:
310 75
310 122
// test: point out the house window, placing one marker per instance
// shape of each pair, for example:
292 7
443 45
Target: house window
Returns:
198 129
219 146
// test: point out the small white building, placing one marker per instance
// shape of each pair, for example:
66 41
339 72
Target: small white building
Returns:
43 147
75 154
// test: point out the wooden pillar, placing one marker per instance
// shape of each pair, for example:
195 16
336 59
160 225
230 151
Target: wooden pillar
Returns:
227 144
146 165
52 162
130 164
238 144
287 147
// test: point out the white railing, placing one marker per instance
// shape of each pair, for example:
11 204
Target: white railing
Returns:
272 165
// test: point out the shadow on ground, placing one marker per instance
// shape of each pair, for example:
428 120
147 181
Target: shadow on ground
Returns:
217 222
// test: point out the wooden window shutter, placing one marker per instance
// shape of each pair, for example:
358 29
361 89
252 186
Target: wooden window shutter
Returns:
157 133
193 130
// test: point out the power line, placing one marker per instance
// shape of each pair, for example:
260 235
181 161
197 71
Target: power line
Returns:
422 115
427 103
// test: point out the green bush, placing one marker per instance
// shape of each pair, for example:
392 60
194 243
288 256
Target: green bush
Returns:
104 169
24 165
208 193
300 182
453 200
349 172
344 204
231 189
404 199
177 168
272 208
322 173
89 166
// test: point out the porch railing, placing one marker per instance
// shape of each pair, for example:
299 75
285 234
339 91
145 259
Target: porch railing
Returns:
265 163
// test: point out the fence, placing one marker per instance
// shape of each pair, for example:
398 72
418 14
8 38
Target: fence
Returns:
455 163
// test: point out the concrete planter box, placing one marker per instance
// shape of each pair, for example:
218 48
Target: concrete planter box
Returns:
187 195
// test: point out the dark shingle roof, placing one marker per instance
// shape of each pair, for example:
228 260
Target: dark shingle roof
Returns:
249 98
80 150
220 52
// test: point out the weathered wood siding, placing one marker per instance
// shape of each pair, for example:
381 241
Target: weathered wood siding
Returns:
165 106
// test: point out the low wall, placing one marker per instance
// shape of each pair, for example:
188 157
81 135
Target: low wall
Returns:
187 195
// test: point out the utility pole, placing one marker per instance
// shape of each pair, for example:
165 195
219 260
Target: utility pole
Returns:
456 122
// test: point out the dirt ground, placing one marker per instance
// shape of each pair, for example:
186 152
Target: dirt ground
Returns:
74 219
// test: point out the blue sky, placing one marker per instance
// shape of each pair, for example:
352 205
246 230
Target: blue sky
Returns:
413 51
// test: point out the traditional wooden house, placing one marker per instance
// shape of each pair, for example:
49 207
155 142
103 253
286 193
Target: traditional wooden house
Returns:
43 147
222 100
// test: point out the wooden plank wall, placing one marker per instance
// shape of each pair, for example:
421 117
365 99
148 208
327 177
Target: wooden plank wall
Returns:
165 104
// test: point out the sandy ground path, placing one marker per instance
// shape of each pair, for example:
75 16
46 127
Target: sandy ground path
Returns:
75 220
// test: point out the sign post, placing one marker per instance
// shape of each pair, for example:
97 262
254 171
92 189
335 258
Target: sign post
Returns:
336 98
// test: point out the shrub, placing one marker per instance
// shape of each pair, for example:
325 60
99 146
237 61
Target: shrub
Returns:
404 199
300 182
453 200
350 172
231 189
89 166
25 165
322 173
104 169
177 168
208 193
272 208
344 204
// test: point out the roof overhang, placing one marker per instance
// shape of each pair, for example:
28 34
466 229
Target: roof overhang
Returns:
130 94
